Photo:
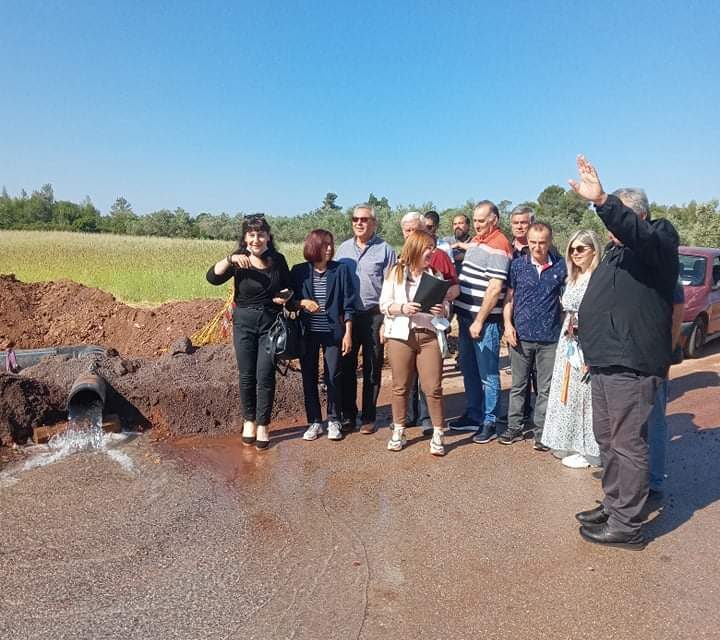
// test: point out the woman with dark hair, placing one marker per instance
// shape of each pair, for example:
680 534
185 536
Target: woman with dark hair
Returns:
326 295
262 286
413 339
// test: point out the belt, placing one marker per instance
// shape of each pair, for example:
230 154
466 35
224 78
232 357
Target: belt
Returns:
423 330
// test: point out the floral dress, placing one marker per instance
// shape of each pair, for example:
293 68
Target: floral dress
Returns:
568 426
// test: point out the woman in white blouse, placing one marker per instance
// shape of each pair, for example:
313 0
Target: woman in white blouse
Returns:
414 338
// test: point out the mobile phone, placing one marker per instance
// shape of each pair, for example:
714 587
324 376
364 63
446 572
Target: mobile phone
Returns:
285 294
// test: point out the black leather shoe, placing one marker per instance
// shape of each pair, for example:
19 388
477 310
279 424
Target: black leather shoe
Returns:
598 515
634 541
347 425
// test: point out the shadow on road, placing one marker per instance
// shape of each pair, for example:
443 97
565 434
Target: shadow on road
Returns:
693 473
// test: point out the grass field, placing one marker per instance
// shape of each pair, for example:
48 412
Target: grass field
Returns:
137 270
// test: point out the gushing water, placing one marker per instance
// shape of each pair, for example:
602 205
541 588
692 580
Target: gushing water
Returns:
84 431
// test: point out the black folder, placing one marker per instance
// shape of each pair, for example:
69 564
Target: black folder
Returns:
430 291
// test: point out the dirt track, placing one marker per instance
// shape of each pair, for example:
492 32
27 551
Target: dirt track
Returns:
209 539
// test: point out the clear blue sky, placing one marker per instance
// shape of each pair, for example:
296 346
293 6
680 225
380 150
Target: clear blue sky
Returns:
266 106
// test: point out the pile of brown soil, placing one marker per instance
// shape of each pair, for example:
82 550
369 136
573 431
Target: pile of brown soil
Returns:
181 393
47 314
24 403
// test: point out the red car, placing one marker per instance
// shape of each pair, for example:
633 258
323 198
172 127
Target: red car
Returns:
700 277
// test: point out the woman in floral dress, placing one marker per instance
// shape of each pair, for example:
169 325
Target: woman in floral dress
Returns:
568 422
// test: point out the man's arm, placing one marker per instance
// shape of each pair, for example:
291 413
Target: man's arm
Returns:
508 307
492 295
655 244
390 260
677 318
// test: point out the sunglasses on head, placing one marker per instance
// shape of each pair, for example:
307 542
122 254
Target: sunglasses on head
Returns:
578 248
357 220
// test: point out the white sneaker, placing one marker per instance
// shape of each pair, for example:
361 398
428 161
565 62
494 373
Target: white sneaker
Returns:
397 441
313 431
334 430
437 445
575 461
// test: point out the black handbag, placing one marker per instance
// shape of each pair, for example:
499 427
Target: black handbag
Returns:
285 338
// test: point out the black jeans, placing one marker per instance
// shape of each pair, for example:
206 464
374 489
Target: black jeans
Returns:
256 367
365 335
313 342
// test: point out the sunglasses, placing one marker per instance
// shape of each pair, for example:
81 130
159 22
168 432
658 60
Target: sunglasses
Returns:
360 220
579 249
254 216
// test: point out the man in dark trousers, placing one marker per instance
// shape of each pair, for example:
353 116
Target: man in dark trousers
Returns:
625 324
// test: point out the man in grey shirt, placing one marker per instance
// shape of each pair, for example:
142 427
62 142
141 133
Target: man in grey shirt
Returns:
369 258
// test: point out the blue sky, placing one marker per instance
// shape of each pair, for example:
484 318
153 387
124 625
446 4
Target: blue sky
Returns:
267 106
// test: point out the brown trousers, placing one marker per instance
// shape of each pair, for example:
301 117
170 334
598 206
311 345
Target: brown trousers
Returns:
421 353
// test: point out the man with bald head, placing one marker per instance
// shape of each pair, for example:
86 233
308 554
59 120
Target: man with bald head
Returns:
479 310
625 327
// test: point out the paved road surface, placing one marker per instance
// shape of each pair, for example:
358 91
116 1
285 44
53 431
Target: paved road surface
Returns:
206 539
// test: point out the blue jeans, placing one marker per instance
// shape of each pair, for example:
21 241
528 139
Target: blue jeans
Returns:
658 437
480 366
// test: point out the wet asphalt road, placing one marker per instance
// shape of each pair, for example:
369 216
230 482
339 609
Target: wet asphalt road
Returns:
207 539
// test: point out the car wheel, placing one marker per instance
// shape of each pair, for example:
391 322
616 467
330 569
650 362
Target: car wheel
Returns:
696 339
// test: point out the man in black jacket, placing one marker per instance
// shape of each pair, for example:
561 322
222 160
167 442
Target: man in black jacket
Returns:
625 324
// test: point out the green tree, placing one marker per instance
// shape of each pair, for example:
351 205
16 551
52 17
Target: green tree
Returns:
329 203
121 216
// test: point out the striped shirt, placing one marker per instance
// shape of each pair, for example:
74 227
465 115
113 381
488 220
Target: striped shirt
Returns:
319 320
488 260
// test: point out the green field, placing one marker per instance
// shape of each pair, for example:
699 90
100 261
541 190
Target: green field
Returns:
137 270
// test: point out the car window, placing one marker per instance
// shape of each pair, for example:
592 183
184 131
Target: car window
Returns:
692 270
716 272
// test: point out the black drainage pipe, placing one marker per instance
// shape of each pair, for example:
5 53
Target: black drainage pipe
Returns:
88 390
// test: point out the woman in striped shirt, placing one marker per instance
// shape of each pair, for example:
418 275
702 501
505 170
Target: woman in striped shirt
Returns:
327 298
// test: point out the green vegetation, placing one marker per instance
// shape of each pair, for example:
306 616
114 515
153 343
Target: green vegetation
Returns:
164 255
135 270
697 223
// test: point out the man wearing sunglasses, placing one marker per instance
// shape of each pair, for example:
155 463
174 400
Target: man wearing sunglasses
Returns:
625 327
369 258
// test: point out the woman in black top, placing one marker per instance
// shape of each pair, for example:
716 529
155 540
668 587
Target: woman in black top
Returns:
260 273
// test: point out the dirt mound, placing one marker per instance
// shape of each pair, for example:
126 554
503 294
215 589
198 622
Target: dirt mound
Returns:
26 403
46 314
180 394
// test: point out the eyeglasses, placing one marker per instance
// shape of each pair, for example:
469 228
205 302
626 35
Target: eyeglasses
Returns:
360 220
254 216
578 248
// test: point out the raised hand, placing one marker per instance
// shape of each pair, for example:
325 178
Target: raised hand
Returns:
589 186
240 260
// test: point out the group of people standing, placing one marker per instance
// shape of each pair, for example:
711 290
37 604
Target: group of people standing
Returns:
592 332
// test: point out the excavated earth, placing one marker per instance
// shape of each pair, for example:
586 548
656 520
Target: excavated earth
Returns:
183 391
49 314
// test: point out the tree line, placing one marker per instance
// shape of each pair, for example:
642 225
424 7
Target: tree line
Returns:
698 223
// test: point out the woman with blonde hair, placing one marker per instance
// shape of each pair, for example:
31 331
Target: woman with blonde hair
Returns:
568 420
413 338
